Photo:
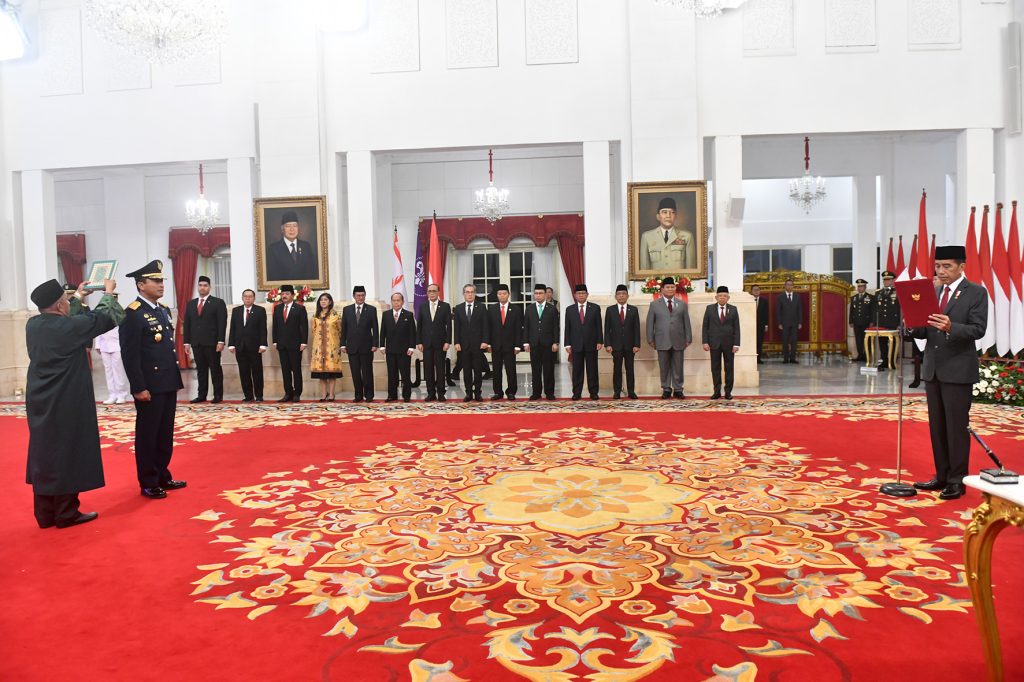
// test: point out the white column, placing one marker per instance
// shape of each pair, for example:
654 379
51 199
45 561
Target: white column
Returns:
975 175
362 213
728 234
865 227
243 242
124 207
597 217
39 227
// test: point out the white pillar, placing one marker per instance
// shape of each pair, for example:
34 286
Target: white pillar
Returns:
243 242
597 217
362 213
865 227
124 207
975 175
728 234
39 227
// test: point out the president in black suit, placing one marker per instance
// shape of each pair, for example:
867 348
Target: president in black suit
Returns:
291 259
472 336
434 332
761 306
950 369
204 333
290 334
584 338
397 342
359 333
540 340
622 339
789 315
506 322
248 341
721 336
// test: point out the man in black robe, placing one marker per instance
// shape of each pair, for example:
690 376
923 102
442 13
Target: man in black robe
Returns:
64 440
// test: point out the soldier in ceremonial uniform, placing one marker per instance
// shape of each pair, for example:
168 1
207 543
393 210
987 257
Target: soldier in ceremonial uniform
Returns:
885 314
860 316
147 350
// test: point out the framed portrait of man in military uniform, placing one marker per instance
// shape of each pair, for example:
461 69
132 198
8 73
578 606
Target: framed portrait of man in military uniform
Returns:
668 229
291 242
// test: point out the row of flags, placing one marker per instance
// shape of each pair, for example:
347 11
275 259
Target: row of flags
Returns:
426 272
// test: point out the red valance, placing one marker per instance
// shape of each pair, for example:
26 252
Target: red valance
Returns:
190 238
541 229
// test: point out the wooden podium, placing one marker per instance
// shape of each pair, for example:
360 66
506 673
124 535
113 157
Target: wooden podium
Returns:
826 301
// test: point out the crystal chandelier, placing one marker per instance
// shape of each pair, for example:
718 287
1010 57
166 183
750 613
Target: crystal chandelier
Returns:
201 214
491 202
808 191
159 31
703 9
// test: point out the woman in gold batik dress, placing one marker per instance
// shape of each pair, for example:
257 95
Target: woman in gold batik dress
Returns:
325 361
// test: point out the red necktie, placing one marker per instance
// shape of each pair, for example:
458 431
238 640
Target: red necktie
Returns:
286 312
721 315
670 306
622 313
503 315
581 313
200 306
248 312
945 299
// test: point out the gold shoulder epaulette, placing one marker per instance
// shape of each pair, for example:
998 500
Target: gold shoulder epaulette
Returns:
164 305
134 305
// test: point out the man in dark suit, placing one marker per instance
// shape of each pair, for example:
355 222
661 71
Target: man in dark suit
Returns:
887 315
789 315
721 336
761 306
549 297
359 332
583 341
206 321
290 258
861 305
435 335
540 340
147 349
290 335
950 369
248 341
506 323
397 343
472 336
622 339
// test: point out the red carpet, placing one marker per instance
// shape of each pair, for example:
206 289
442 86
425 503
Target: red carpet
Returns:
544 542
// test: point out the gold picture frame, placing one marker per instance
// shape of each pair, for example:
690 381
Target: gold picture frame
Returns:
299 260
685 253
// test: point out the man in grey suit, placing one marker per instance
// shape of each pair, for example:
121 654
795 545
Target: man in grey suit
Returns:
951 369
668 332
789 315
721 336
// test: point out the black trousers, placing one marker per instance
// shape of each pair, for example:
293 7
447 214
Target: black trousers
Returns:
587 359
542 365
718 356
949 413
434 371
55 509
474 364
208 363
398 368
291 371
250 373
154 438
362 374
760 341
504 362
858 334
883 353
789 335
620 358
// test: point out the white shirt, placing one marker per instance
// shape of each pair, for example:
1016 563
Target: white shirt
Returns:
245 316
952 288
291 244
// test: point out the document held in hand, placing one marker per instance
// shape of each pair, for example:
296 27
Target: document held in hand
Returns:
917 301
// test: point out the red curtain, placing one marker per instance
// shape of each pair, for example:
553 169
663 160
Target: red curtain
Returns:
186 244
71 252
572 260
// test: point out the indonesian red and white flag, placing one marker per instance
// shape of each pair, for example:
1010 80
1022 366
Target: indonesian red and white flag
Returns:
1001 273
398 278
972 268
1016 285
890 262
435 269
985 263
901 264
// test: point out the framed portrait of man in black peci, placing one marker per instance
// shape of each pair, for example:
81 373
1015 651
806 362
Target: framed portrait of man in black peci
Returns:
291 241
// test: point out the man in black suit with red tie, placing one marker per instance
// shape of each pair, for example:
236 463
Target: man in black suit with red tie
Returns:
583 340
397 342
721 336
248 341
291 334
789 315
435 335
622 339
761 306
540 340
506 342
206 321
359 333
472 337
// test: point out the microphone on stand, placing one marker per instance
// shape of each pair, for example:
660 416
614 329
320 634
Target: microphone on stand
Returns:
998 476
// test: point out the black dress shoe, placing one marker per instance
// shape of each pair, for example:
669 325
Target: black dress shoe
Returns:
367 400
534 397
197 400
296 399
665 395
512 397
173 485
496 396
248 400
479 398
633 396
406 400
217 400
716 396
357 400
468 399
154 493
728 396
390 400
952 491
914 384
576 397
550 397
286 399
678 394
81 518
595 397
259 399
617 395
933 484
451 383
442 399
430 397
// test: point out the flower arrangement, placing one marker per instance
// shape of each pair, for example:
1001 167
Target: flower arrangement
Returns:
1000 382
653 285
303 294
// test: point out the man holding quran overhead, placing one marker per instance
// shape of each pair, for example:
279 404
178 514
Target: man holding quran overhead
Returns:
950 366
